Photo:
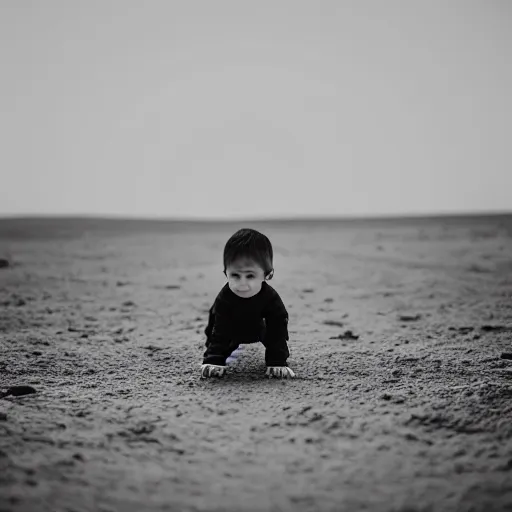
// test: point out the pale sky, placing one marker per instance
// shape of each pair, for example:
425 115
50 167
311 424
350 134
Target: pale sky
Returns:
256 108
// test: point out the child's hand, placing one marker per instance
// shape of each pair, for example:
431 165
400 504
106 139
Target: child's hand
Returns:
212 370
280 371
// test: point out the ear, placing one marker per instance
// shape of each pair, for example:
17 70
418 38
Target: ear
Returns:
270 275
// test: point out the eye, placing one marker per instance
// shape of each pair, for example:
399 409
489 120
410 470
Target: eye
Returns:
250 276
235 276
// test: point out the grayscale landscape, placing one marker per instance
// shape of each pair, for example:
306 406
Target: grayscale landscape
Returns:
400 336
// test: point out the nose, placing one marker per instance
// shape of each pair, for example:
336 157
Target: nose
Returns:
243 284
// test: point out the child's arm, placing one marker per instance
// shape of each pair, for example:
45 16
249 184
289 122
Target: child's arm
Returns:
218 347
276 337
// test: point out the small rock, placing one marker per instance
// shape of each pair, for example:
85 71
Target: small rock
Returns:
152 348
333 322
18 391
4 263
409 318
386 396
3 416
492 328
506 355
347 335
143 428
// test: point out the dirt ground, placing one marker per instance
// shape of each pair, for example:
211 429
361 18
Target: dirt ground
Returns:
409 412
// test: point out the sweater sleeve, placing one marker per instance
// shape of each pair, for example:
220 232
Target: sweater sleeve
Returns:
276 335
218 338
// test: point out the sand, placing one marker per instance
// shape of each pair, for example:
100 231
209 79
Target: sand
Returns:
410 412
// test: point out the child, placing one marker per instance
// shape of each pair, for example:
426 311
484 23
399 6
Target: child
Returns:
247 309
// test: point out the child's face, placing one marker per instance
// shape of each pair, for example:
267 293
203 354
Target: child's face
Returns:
245 278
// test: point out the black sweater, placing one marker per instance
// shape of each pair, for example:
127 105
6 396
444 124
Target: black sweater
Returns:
234 320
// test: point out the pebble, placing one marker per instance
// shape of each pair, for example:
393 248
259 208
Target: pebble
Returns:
492 328
347 335
506 355
18 391
4 263
409 318
333 322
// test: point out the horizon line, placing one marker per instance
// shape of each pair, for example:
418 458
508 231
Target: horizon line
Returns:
288 218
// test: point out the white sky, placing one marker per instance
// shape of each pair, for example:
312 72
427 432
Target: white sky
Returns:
255 108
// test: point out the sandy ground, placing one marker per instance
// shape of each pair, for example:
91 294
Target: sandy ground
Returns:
411 414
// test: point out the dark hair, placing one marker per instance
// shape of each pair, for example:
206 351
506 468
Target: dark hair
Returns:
250 244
